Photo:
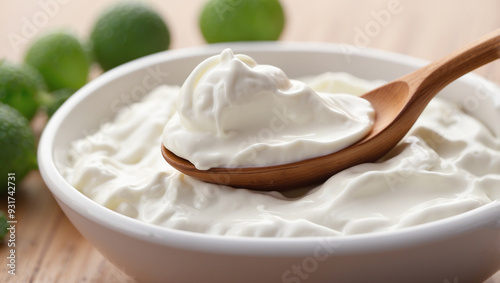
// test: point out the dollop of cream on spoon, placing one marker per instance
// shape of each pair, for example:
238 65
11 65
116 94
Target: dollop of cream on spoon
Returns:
233 112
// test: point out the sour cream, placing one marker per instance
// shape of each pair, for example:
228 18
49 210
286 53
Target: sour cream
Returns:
233 112
448 164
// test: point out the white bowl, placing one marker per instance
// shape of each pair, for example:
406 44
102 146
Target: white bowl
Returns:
464 247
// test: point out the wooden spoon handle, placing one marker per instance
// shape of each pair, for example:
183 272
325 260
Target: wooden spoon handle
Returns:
426 82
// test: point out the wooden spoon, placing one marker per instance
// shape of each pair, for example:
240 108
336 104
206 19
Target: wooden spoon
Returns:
397 104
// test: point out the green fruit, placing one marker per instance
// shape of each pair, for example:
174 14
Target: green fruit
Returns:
127 31
54 100
241 20
61 59
20 87
17 145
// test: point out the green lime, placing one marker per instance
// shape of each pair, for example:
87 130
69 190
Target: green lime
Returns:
20 87
61 59
127 31
241 20
17 143
3 225
52 101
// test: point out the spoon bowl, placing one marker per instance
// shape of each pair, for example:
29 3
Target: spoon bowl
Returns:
397 105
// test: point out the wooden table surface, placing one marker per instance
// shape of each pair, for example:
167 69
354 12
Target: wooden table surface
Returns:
48 247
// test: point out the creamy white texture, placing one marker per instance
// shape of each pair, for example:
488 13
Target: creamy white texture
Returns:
233 112
448 164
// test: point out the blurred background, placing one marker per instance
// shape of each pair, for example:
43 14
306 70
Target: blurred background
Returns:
426 29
